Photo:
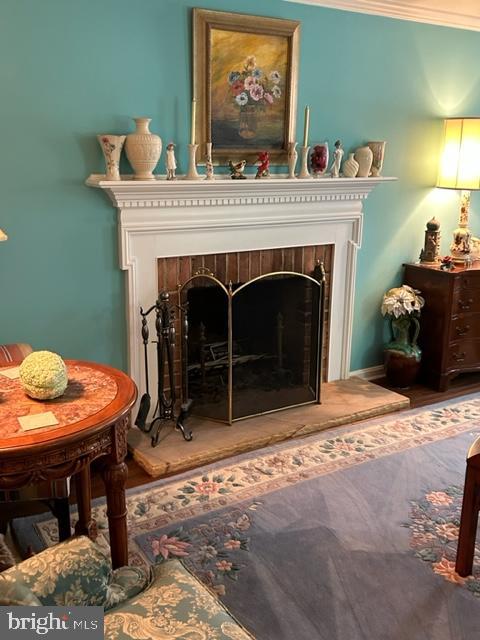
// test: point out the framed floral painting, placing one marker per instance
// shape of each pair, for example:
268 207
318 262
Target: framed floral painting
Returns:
245 83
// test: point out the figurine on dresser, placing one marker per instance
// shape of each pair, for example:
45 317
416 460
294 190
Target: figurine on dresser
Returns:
431 249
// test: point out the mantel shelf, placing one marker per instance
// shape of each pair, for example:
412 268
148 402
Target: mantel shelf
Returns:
181 192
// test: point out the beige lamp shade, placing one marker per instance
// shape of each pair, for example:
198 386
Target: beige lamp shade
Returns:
3 235
460 160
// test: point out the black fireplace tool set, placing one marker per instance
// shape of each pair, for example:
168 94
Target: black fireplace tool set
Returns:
166 398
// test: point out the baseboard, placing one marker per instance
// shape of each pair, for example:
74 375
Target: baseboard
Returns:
370 373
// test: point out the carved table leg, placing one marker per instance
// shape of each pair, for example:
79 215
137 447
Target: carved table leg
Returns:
60 508
115 478
86 525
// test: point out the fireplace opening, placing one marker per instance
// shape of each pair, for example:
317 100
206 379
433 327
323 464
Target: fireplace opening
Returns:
252 347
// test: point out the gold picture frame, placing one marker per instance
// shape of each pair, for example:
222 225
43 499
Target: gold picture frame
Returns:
245 74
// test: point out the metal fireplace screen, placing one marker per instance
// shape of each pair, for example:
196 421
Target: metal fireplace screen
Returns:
253 348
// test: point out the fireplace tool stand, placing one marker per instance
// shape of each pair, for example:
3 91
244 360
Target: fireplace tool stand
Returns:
165 407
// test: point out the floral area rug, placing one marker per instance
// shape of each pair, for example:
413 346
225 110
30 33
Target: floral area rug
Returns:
434 526
314 539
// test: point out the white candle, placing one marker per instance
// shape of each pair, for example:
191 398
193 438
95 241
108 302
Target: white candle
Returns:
306 126
194 110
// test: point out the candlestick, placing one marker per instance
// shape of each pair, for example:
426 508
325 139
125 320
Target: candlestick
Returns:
304 172
192 173
192 132
209 163
292 159
306 126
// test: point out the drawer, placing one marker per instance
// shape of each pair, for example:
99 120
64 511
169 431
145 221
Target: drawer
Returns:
468 280
464 326
465 300
463 354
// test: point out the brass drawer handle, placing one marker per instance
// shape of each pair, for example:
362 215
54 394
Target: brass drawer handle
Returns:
465 305
459 357
461 331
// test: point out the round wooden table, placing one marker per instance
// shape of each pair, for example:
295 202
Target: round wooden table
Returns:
93 419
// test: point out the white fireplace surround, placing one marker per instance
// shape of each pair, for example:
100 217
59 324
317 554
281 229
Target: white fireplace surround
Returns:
158 219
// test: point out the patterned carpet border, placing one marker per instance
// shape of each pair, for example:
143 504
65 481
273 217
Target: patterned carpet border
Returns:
174 501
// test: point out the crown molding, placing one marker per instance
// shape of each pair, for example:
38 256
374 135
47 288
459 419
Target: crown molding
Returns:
428 12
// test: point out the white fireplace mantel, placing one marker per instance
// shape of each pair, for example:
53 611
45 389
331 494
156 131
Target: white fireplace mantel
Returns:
180 218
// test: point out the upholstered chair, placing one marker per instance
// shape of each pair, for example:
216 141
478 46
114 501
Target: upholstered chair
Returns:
168 602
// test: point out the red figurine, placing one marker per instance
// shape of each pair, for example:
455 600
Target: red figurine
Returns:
263 169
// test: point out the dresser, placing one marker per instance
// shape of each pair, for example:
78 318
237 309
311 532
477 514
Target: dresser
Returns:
450 321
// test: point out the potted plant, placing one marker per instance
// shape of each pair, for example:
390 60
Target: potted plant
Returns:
402 355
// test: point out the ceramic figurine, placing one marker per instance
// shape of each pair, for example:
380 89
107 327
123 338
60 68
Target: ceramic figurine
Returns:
364 157
292 159
350 167
237 169
263 169
337 160
378 150
319 159
431 250
209 163
170 161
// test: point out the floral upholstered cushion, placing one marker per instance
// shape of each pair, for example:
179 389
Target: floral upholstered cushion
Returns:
74 572
13 594
126 583
176 606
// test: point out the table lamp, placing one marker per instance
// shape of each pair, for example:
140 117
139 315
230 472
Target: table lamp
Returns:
460 169
3 235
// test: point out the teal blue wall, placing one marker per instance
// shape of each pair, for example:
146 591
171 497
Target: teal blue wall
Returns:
70 70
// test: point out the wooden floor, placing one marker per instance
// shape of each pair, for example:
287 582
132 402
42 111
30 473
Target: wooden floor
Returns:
421 395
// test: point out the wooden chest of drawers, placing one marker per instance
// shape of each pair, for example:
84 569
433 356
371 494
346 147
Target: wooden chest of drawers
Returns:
450 321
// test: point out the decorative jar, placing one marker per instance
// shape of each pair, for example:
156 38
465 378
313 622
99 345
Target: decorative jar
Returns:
364 157
350 167
143 150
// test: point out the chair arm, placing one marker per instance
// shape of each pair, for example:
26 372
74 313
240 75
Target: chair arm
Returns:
72 573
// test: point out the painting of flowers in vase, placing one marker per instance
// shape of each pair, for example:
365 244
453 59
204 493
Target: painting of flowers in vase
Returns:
248 93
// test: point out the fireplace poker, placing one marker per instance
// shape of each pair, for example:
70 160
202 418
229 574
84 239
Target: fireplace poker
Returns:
145 400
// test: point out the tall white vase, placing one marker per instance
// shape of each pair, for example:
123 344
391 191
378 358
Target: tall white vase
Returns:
143 150
112 149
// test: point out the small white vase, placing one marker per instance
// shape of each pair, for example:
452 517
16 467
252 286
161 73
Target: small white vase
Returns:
364 157
112 149
378 150
350 167
143 150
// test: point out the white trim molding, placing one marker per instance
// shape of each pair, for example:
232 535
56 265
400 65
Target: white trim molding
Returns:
370 373
159 219
439 12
